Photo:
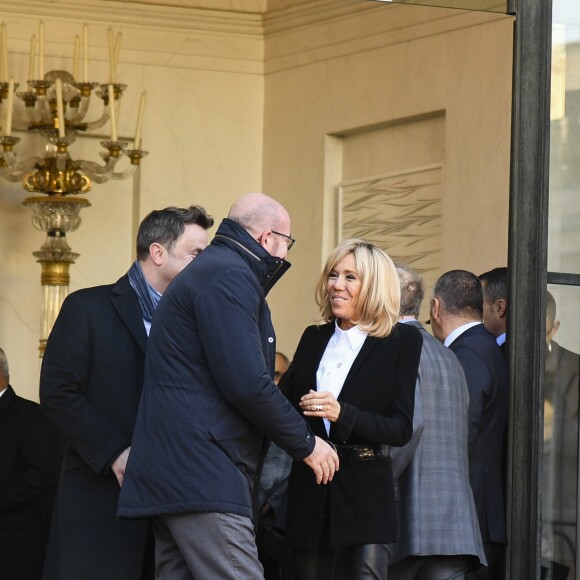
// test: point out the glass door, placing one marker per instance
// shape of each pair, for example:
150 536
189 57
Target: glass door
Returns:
560 495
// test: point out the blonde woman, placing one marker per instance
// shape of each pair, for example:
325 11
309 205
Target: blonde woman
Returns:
353 377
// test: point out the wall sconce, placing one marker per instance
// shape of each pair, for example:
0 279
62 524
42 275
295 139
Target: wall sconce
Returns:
56 106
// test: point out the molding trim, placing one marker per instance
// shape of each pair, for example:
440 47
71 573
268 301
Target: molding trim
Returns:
329 29
252 40
157 15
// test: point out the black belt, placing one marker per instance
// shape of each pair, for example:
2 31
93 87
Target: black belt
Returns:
357 452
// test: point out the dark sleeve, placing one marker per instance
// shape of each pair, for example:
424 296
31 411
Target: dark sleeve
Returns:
396 428
278 494
236 359
38 463
480 385
64 380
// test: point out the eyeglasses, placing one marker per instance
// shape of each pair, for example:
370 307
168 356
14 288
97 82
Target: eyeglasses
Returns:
289 239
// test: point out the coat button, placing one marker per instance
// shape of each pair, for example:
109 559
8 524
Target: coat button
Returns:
270 339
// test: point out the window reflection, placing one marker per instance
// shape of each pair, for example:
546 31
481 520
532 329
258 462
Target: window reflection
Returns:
561 448
560 496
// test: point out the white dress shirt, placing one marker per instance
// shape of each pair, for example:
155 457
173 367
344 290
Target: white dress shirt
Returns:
341 350
458 332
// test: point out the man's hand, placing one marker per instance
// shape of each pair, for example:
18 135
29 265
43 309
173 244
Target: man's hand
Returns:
323 461
120 464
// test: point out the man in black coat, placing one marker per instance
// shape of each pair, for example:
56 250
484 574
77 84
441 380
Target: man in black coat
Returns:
30 456
560 488
208 398
495 298
90 385
456 318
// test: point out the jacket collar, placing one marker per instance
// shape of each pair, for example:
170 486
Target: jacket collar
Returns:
126 303
267 268
6 399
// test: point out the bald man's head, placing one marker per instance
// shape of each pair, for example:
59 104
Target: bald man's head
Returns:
265 219
256 212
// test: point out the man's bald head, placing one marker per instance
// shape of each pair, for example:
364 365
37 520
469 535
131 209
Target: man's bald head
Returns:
256 213
265 219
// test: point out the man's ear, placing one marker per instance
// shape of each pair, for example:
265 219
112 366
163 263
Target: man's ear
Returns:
264 238
500 307
435 307
157 253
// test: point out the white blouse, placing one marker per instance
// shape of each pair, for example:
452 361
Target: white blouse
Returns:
336 362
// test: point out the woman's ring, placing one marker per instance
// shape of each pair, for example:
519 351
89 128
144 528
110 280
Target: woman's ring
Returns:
318 407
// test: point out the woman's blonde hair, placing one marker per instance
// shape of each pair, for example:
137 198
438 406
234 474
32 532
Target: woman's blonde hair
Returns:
380 293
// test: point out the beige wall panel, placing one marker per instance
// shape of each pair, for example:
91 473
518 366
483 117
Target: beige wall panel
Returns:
203 130
464 74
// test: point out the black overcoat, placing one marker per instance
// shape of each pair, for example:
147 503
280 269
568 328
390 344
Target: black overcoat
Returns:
90 386
488 383
377 402
30 456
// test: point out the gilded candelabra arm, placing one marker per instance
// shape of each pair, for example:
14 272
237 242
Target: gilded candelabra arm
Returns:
78 105
10 168
17 171
98 173
33 118
135 155
41 111
103 93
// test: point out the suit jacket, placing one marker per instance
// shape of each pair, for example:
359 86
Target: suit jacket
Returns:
90 385
376 407
561 392
30 456
488 382
437 511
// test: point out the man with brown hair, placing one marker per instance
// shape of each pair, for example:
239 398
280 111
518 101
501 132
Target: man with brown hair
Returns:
90 385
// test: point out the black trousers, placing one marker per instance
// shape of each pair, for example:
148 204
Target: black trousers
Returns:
363 562
360 562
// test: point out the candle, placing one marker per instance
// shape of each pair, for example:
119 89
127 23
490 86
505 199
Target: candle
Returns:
5 73
32 58
41 52
117 50
8 128
137 143
85 54
59 108
111 56
76 57
2 73
112 109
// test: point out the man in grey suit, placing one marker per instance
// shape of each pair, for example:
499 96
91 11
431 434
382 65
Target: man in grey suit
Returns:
439 536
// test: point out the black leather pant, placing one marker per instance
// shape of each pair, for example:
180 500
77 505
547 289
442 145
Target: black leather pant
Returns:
364 562
430 568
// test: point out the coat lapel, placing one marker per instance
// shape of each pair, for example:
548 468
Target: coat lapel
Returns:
126 304
368 345
325 333
6 400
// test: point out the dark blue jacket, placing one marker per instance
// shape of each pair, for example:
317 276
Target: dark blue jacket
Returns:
488 383
208 396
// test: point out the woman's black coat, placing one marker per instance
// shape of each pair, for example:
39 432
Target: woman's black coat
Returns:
377 402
